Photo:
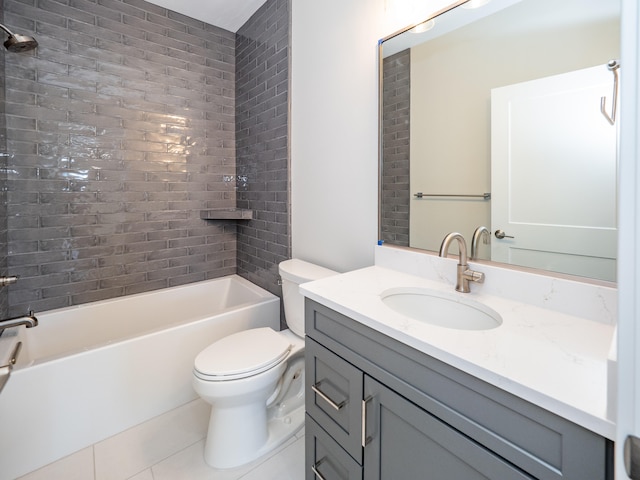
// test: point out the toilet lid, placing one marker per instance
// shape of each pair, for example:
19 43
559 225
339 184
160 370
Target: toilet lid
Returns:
242 354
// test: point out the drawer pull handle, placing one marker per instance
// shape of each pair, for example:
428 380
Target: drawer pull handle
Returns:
321 394
364 439
314 468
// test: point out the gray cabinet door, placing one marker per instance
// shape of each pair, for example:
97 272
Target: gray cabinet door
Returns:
407 443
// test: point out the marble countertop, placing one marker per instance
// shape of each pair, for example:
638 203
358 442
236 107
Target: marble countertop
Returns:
554 360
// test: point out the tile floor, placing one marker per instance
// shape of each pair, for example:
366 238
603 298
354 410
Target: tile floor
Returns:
169 447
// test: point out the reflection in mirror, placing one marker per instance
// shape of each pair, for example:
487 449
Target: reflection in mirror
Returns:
497 117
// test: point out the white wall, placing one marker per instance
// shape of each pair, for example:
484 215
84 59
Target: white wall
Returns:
334 129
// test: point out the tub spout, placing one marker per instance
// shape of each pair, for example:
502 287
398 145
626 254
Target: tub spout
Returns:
29 320
464 274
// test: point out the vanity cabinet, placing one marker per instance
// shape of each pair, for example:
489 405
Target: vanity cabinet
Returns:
380 410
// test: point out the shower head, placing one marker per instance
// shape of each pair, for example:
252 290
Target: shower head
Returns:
20 43
17 42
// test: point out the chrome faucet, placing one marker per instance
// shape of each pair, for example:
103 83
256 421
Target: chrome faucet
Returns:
479 232
464 274
29 320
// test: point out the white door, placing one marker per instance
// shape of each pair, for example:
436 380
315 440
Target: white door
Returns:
552 149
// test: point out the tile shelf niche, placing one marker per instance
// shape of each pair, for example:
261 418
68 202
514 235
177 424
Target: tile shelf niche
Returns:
226 214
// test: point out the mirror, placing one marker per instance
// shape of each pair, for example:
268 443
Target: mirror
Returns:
496 116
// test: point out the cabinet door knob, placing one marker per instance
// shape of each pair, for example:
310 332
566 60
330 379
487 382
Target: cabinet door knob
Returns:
321 394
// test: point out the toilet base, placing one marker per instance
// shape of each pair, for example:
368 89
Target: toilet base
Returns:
265 429
279 428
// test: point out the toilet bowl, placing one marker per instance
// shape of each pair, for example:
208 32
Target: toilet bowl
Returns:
254 380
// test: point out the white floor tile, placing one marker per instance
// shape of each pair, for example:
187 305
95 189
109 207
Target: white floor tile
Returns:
189 464
170 447
78 466
146 475
286 465
140 447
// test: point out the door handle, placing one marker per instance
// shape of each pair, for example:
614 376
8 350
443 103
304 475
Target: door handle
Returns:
500 234
632 457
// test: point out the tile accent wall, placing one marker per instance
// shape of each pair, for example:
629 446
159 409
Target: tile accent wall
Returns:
4 293
120 128
262 143
396 103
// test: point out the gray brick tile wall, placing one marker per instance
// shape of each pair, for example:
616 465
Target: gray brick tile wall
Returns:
395 193
119 130
262 47
27 98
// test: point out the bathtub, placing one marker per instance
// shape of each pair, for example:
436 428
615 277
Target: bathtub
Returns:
90 371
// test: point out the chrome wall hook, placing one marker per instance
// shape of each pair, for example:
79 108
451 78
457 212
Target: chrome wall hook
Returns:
613 66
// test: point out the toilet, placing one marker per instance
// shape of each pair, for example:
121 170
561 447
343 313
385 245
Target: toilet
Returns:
254 380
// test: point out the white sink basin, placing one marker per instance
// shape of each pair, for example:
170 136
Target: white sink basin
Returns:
441 309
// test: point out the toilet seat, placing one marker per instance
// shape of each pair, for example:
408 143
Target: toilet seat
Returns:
242 355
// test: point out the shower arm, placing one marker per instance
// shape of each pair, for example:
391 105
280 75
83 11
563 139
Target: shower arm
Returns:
6 30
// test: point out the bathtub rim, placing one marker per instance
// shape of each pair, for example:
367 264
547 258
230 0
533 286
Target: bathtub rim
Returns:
25 360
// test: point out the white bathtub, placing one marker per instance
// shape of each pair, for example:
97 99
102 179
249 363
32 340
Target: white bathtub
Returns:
90 371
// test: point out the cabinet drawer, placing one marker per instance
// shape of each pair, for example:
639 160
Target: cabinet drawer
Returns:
325 459
334 396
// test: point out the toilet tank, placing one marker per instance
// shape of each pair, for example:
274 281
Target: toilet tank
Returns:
293 273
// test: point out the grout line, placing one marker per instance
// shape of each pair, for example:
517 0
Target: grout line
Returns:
93 455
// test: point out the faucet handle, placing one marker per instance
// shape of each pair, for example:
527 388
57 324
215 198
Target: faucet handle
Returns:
473 276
